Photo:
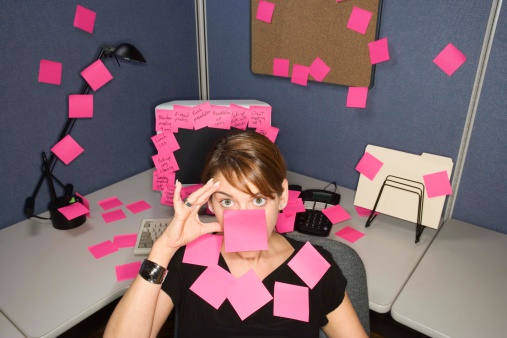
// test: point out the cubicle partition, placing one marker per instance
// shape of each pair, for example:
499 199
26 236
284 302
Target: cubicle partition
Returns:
413 106
116 140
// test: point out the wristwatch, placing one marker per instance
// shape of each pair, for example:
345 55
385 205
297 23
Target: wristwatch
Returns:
152 272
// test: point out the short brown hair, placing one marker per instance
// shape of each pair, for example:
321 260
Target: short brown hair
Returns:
247 156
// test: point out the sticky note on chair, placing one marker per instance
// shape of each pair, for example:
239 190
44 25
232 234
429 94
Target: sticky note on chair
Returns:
213 285
309 265
336 214
67 149
437 184
204 250
127 271
450 59
245 230
102 249
80 106
73 210
291 301
84 19
369 166
248 294
50 72
97 75
359 20
349 234
109 203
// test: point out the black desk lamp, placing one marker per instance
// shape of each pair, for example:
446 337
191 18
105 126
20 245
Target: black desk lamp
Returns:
124 51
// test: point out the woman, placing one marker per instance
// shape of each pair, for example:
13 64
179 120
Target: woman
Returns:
244 170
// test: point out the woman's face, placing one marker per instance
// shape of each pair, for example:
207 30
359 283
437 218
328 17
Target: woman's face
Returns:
229 198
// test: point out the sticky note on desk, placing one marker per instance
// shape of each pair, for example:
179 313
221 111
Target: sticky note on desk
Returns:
349 234
245 230
73 210
248 294
50 72
213 285
113 216
336 214
291 301
138 206
102 249
127 271
109 203
309 265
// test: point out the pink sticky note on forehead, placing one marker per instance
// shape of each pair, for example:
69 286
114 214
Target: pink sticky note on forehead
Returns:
67 149
265 11
291 301
450 59
80 106
248 294
109 203
356 97
73 210
213 285
319 69
113 216
281 67
204 250
379 51
369 166
127 271
50 72
349 234
245 230
359 20
300 75
84 19
336 214
102 249
97 75
437 184
309 265
138 206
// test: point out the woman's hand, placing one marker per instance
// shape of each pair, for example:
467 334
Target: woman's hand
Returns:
186 225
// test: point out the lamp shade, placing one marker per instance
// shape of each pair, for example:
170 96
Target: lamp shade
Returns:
129 52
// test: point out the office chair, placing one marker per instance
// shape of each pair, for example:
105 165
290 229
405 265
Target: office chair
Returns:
352 268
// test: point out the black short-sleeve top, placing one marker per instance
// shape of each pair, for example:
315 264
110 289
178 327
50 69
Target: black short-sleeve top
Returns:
197 318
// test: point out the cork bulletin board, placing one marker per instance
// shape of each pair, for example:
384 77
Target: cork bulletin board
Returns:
301 30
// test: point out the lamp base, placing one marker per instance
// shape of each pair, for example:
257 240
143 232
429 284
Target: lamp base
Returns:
60 222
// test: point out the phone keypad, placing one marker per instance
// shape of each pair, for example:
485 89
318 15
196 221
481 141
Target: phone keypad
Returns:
313 222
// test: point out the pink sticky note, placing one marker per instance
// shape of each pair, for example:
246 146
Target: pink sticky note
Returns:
356 97
336 214
85 202
220 117
363 212
204 250
127 271
186 191
183 117
165 142
125 241
165 162
73 210
113 216
285 223
260 116
359 20
349 234
294 207
309 265
281 67
167 195
50 72
200 115
245 230
293 196
165 120
291 301
213 285
161 180
450 59
102 249
248 294
84 19
97 75
67 149
240 116
269 131
265 11
109 203
319 69
300 75
80 106
369 166
379 51
138 206
437 184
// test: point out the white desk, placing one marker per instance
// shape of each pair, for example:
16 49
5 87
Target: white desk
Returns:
388 249
7 329
459 287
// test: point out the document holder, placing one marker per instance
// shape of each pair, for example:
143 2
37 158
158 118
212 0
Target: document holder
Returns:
409 186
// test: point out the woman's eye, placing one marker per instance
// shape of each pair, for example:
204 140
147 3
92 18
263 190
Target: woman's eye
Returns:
259 201
226 203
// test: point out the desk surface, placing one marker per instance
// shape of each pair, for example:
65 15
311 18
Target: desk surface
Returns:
7 329
50 281
388 249
459 287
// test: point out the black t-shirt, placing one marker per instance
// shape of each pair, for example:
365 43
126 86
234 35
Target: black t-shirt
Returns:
197 318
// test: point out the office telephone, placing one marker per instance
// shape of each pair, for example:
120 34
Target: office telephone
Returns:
313 221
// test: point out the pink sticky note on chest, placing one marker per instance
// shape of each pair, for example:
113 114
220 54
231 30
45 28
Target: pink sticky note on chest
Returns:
450 59
336 214
369 166
213 285
359 20
84 19
50 72
291 301
309 265
437 184
245 230
97 75
102 249
127 271
349 234
248 294
73 210
80 106
138 206
204 250
67 149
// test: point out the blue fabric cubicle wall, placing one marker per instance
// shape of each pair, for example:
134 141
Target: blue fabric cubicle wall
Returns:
117 139
482 195
413 106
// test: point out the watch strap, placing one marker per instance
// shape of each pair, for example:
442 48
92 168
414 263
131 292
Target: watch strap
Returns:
152 272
